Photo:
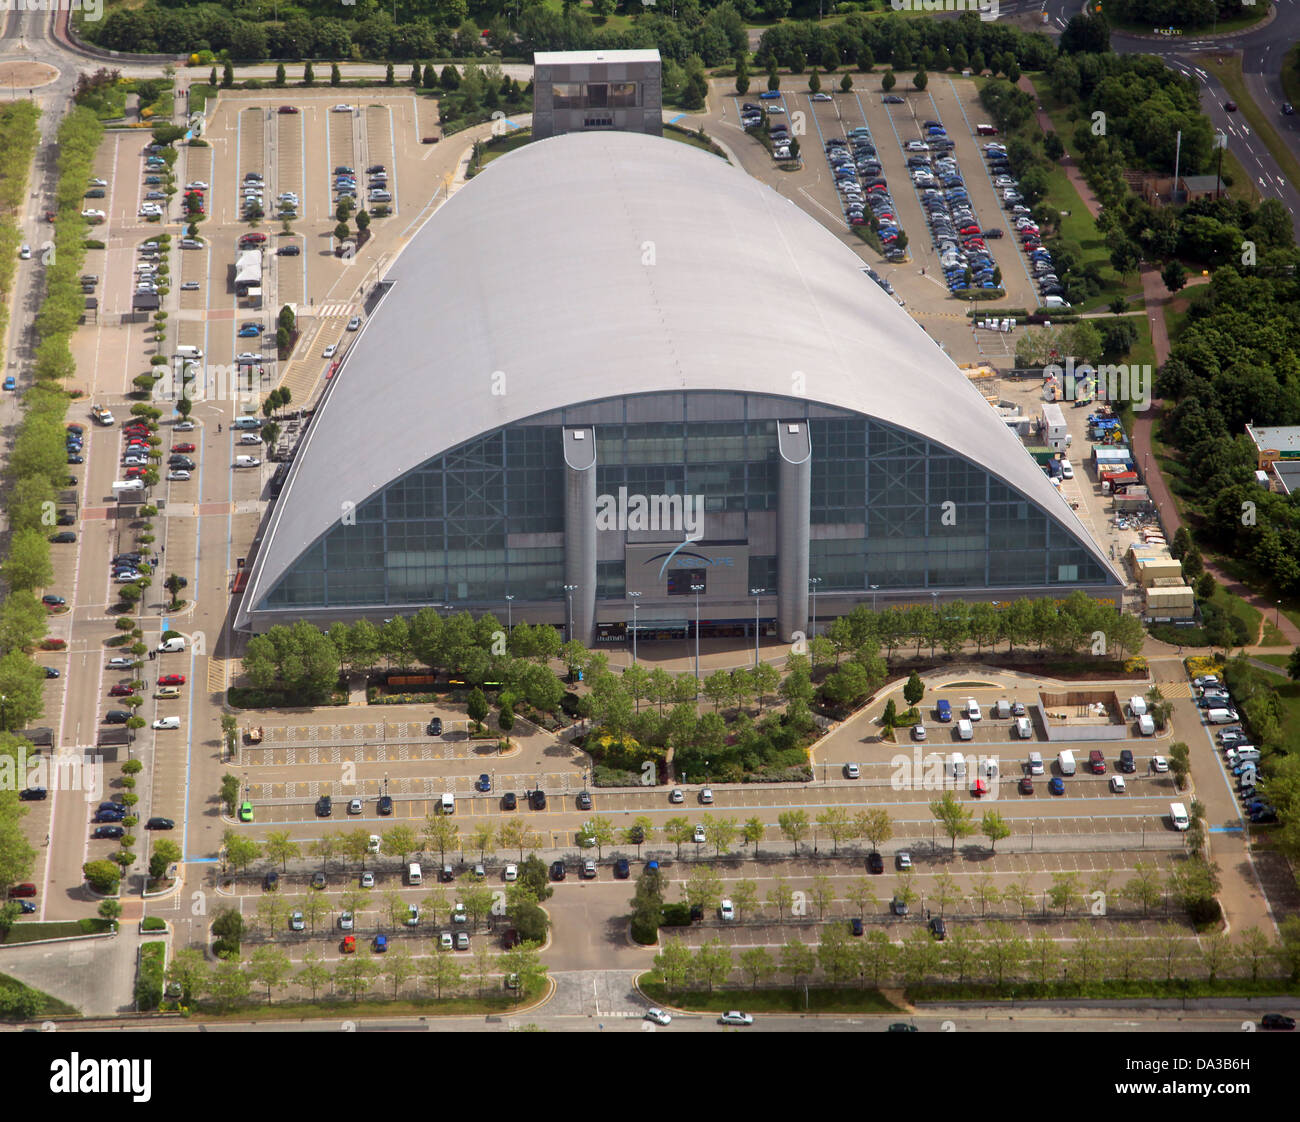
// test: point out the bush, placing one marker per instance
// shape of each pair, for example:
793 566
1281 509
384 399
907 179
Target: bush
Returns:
103 876
677 915
153 923
644 930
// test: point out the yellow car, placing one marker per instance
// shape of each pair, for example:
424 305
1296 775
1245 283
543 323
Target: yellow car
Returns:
168 691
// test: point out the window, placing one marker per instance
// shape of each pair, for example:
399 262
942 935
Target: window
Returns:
680 581
598 122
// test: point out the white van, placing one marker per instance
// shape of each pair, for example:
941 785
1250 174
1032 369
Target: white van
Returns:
965 730
957 766
413 874
246 423
172 645
1055 302
247 461
1243 755
128 485
1065 761
186 351
448 803
1137 706
1147 725
1220 716
167 723
1178 816
1024 729
1002 708
250 438
1035 763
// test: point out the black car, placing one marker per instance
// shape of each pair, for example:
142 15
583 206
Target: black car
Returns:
435 727
893 99
64 537
899 906
318 880
324 806
117 717
107 832
584 800
66 519
104 815
385 805
183 462
508 801
538 800
33 794
132 558
875 863
373 168
622 869
271 881
1277 1022
289 251
938 928
1126 763
748 107
160 824
855 926
557 870
992 232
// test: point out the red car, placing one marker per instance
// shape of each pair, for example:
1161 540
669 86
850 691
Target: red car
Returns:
172 680
288 109
121 691
186 447
134 472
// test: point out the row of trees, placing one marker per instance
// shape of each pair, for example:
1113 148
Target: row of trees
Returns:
994 953
234 981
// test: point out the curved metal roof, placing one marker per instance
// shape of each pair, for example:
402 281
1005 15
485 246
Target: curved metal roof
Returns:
593 264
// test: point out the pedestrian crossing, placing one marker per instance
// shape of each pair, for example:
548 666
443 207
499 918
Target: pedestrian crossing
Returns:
322 311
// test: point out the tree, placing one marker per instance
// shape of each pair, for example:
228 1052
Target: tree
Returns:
227 76
308 75
752 832
874 825
477 705
797 960
920 79
794 826
758 964
279 74
888 81
913 689
953 817
703 888
742 75
673 964
1174 276
836 822
711 964
994 827
814 82
780 897
270 967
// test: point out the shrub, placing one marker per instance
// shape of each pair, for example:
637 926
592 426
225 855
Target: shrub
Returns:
149 981
153 923
103 876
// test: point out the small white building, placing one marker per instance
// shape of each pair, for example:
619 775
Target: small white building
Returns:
583 91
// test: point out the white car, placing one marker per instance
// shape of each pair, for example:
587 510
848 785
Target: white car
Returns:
135 461
903 859
512 872
445 942
676 796
167 723
341 109
973 709
1206 680
248 356
772 107
296 922
735 1017
658 1016
372 846
698 836
727 911
25 253
93 214
852 771
354 324
178 476
329 351
367 880
99 182
183 426
345 921
1117 784
458 913
821 97
127 576
193 185
918 732
706 795
190 286
1159 763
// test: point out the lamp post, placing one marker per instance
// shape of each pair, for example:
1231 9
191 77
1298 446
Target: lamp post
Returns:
634 597
874 587
509 616
1277 618
569 590
697 589
756 593
813 582
4 703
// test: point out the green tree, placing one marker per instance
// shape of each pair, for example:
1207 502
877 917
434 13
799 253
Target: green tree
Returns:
308 75
920 79
888 81
953 817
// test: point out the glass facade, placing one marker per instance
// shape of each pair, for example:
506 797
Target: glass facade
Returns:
889 509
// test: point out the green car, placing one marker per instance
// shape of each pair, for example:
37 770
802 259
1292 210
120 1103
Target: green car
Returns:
245 811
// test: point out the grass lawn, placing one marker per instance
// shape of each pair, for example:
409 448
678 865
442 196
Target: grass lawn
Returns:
1227 68
683 136
782 1000
1289 694
1277 660
1272 637
507 144
44 1004
1143 352
1291 75
1214 27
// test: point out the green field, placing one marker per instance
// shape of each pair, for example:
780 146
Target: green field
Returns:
781 1000
21 1001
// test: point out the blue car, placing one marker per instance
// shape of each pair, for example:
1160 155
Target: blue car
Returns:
769 95
381 943
484 783
26 907
1056 786
10 384
248 332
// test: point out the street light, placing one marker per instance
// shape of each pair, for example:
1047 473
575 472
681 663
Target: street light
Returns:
814 582
509 616
634 596
873 587
569 590
756 593
1277 619
697 589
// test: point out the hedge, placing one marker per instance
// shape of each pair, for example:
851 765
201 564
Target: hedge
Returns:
149 981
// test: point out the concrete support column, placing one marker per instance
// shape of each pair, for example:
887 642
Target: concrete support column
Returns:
794 504
580 529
